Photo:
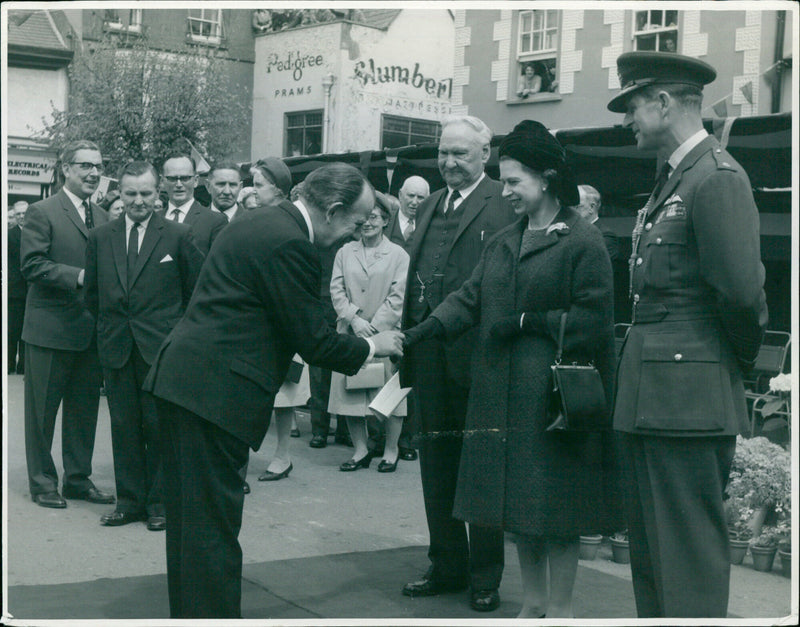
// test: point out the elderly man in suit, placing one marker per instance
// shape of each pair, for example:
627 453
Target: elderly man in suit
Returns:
179 179
140 273
699 313
224 183
452 228
61 361
589 210
215 378
17 289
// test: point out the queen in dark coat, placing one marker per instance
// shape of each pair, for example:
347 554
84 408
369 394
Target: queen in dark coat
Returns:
547 488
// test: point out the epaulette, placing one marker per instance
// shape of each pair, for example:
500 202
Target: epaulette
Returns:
723 160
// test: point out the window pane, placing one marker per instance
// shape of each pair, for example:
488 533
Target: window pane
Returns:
537 20
537 41
646 42
526 22
525 44
655 18
667 42
672 18
641 20
551 39
552 19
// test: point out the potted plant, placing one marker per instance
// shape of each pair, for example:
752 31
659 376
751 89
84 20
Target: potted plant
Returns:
763 548
739 516
588 546
620 547
760 478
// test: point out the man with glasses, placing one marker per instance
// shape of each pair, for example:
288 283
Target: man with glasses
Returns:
179 181
61 362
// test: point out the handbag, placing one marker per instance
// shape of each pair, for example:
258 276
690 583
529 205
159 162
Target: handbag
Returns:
577 401
295 371
370 376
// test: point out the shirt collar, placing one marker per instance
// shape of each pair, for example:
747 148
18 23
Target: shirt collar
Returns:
686 147
229 212
184 208
403 219
304 212
143 223
467 190
75 200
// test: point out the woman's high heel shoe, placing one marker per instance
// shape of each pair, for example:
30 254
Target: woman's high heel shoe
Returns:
385 466
352 464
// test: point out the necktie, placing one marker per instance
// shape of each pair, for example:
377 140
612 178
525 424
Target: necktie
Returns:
87 215
176 214
409 230
133 250
451 203
661 179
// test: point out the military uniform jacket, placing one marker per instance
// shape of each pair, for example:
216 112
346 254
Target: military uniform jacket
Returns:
699 308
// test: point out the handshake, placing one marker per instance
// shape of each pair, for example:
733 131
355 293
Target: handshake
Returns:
392 343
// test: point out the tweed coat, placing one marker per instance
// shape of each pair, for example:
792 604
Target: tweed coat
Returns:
513 474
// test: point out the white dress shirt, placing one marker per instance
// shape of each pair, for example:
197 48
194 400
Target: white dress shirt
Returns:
77 202
681 151
183 210
464 193
129 225
229 213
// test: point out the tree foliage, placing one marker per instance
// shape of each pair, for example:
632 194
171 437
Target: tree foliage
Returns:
139 103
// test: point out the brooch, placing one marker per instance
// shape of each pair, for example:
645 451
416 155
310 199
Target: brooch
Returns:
558 227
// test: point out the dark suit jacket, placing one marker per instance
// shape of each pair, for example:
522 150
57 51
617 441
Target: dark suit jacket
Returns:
53 252
205 225
395 235
610 239
165 274
17 288
485 212
256 303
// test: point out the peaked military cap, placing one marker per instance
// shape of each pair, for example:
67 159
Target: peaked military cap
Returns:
641 69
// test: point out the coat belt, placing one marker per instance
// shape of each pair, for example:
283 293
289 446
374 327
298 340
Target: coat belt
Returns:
644 312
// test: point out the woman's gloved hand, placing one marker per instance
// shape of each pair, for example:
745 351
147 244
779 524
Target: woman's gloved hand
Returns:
527 323
429 329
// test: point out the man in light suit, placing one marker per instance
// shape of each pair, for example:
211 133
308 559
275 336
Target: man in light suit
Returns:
216 375
452 227
140 273
224 184
59 332
179 179
699 313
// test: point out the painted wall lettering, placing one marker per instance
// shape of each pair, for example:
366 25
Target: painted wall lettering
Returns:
294 62
292 91
369 72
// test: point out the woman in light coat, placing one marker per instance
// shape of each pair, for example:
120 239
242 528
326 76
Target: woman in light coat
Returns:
367 289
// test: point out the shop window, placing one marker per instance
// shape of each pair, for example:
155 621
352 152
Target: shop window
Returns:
205 25
537 54
656 30
122 19
303 133
398 131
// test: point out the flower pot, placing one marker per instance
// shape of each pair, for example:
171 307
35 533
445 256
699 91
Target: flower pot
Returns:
620 551
763 557
738 550
786 562
588 547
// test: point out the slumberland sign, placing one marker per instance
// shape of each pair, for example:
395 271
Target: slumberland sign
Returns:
367 72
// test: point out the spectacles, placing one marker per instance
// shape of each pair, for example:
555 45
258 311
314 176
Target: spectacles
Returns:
375 218
182 179
86 166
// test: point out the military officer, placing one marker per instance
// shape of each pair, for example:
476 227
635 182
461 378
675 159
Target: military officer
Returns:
699 313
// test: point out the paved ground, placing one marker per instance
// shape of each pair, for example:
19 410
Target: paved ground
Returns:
320 544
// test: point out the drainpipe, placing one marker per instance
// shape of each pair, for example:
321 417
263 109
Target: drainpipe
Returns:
327 84
777 84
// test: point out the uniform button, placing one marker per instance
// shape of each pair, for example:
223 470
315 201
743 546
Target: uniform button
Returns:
648 226
635 298
639 261
718 150
658 240
436 256
678 356
441 243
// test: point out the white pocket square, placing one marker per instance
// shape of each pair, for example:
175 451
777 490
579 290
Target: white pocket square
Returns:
166 259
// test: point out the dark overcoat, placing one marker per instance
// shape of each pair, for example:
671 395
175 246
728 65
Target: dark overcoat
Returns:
514 474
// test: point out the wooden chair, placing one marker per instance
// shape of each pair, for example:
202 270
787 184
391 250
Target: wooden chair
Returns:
772 360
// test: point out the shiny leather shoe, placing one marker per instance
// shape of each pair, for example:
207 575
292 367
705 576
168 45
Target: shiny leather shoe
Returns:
385 466
318 441
484 600
407 454
93 495
295 433
352 464
117 519
49 499
157 523
268 475
428 588
246 488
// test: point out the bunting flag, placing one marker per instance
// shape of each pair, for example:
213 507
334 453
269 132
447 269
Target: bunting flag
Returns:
721 108
202 165
747 91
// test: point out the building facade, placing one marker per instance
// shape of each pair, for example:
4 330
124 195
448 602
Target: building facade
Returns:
367 80
573 53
